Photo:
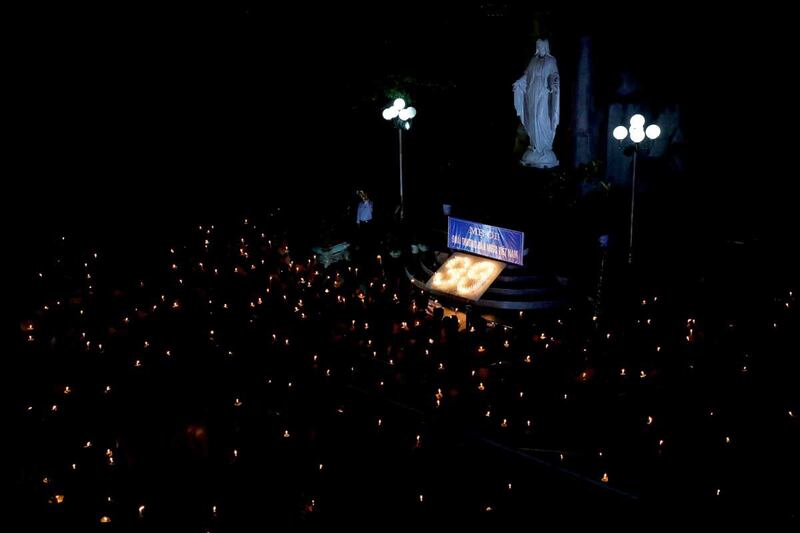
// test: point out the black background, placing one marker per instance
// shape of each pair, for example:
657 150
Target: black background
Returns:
128 121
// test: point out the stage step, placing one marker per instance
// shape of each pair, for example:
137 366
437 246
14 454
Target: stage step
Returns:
516 288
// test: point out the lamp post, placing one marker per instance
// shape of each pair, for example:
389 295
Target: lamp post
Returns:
401 116
637 133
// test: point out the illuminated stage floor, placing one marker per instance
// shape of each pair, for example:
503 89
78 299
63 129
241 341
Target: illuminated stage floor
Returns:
511 289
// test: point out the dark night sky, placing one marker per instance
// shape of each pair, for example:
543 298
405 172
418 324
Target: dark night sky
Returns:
168 113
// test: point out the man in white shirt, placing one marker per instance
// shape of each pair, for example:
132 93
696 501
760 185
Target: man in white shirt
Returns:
364 223
364 212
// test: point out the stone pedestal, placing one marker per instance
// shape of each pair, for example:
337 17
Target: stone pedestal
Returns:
539 158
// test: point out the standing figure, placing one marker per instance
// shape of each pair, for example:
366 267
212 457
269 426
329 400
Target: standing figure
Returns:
364 212
364 223
536 100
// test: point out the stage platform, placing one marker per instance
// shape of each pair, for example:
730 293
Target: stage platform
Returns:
516 289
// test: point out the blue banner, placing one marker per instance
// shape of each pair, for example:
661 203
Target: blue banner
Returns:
482 239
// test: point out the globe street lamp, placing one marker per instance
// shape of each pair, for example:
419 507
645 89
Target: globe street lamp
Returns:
401 116
637 133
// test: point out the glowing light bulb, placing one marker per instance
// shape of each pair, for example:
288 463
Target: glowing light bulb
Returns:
652 131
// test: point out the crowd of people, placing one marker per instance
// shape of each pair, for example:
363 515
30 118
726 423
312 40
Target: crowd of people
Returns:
244 385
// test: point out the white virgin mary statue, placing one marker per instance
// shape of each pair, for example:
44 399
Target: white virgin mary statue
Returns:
536 100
